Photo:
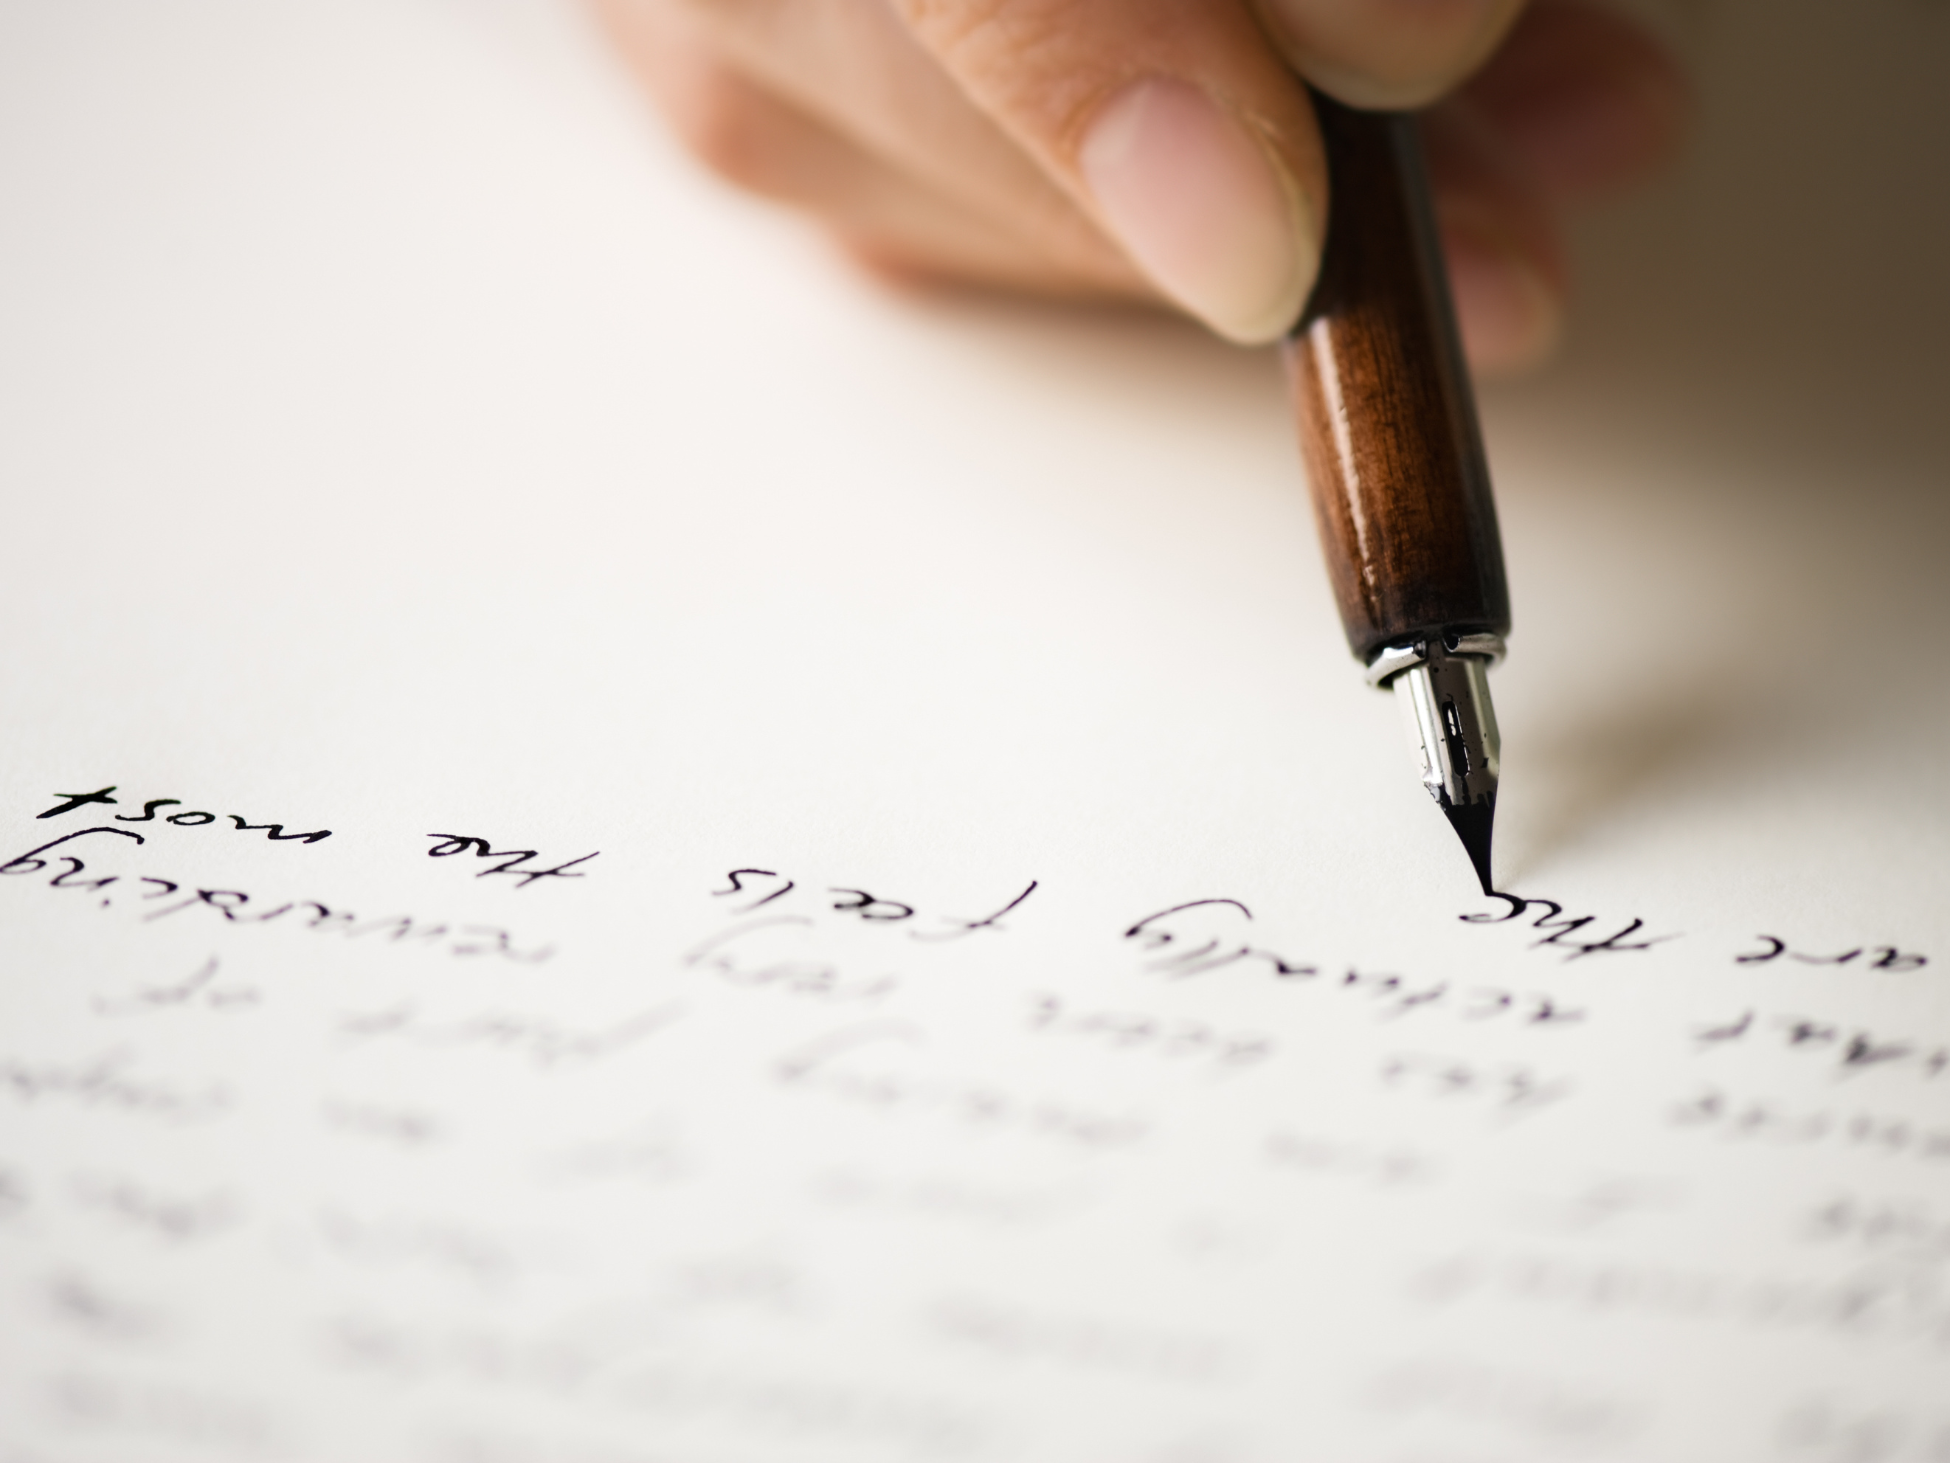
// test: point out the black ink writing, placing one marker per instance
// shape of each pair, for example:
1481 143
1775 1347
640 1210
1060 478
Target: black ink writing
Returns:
961 927
1196 939
737 886
230 905
1872 957
512 859
194 818
872 908
73 800
770 886
1563 930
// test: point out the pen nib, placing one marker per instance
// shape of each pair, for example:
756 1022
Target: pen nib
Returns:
1473 823
1445 700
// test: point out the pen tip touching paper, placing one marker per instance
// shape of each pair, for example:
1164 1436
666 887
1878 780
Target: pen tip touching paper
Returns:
1474 824
1443 690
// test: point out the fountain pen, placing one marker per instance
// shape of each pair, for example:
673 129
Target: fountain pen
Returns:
1394 458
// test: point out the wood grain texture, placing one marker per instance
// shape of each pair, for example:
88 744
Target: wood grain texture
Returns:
1387 422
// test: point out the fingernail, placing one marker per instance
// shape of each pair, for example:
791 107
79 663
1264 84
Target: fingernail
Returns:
1511 317
1203 206
1370 55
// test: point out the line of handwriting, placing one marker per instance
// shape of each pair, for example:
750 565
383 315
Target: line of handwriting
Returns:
1393 997
230 904
194 818
1852 1052
512 859
1551 917
1201 936
106 1081
758 888
198 991
754 969
1764 1122
1887 957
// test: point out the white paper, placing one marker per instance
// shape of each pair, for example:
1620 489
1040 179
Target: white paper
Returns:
965 969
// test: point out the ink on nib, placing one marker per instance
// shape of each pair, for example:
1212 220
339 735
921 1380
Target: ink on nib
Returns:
1474 823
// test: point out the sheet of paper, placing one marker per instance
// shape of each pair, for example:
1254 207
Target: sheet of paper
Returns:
616 846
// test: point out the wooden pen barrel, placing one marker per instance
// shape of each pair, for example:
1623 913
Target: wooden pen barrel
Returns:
1387 423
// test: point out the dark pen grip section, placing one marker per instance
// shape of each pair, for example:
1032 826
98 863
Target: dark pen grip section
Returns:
1387 423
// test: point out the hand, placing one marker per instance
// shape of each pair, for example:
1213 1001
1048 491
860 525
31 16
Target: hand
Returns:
1162 150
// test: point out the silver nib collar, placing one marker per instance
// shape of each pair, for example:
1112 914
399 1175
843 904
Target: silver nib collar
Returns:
1444 694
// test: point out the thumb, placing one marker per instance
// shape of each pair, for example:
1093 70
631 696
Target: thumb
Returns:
1173 123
